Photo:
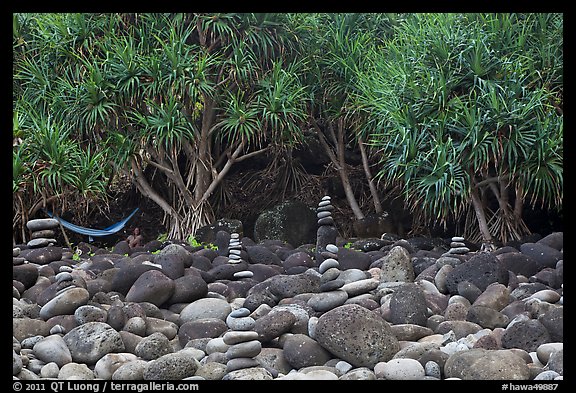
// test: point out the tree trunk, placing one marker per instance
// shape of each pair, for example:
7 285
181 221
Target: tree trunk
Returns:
375 197
340 163
508 224
480 216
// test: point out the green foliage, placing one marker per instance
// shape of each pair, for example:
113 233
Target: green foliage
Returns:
456 99
128 91
162 237
449 102
191 240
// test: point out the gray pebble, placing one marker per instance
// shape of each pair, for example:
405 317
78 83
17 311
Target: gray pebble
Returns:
248 349
547 375
328 264
232 337
332 248
243 323
64 276
66 268
432 369
240 312
50 370
28 343
243 274
216 345
58 329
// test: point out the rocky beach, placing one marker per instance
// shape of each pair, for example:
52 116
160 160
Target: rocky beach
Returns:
387 308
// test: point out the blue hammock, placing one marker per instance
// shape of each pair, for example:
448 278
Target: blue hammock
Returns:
94 232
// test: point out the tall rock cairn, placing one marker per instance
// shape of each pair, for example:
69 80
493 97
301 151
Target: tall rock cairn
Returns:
234 251
327 232
330 294
242 341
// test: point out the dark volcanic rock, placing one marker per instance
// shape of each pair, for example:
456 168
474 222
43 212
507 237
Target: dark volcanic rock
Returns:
291 221
201 328
518 263
43 255
545 256
303 351
284 286
481 270
356 335
153 287
553 320
274 324
263 255
526 335
352 259
408 305
187 289
26 273
128 274
554 240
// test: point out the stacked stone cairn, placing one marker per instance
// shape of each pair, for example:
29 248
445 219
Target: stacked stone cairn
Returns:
242 341
234 251
331 295
457 247
327 232
42 232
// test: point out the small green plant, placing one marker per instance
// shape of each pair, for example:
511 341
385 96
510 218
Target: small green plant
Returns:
348 245
76 254
162 237
193 242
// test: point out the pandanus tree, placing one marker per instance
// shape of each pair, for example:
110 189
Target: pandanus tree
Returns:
51 166
178 99
466 111
335 48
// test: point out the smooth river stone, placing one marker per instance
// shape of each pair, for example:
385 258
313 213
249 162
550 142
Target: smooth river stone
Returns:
65 303
327 264
242 323
234 337
247 349
361 286
327 300
53 349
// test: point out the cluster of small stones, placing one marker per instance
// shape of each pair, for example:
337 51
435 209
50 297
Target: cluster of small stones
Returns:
457 246
42 232
234 256
327 232
447 320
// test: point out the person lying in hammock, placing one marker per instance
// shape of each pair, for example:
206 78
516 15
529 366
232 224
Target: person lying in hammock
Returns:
135 239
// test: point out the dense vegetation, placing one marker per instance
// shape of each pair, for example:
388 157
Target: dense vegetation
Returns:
460 114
